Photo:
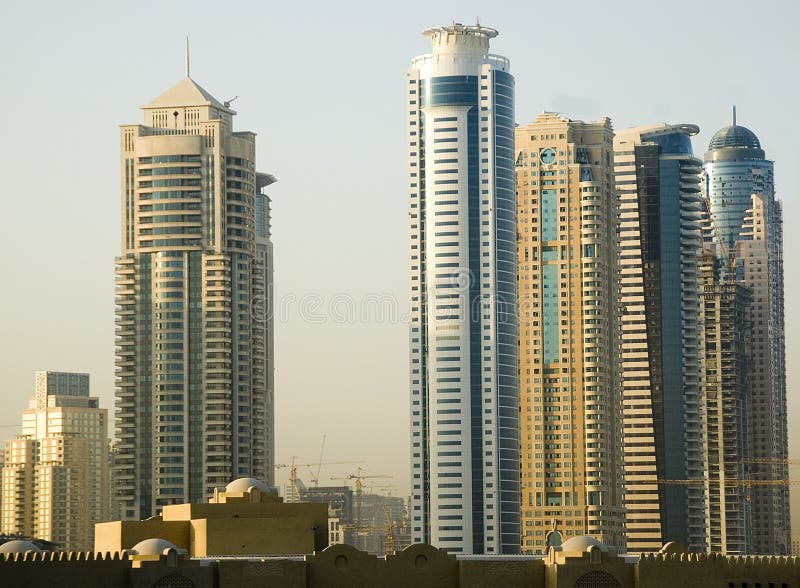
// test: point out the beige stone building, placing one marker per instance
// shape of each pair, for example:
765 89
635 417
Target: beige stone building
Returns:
570 410
55 479
194 298
246 518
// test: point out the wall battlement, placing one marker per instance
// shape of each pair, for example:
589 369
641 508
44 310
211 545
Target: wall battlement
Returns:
417 565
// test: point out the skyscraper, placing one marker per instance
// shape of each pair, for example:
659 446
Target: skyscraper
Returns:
194 295
747 233
571 410
726 331
55 480
658 186
463 333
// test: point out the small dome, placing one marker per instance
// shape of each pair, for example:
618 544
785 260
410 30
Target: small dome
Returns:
581 544
673 547
734 136
18 546
153 546
244 485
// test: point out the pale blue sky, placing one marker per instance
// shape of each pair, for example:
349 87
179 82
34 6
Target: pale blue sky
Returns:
323 86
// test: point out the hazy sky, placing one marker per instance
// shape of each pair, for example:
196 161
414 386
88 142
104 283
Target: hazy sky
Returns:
322 84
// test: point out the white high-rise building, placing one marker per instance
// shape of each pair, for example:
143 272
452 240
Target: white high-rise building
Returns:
194 299
463 335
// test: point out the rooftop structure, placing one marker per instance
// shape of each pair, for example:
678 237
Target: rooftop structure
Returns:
246 518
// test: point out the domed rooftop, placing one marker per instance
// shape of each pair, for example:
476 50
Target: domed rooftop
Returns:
582 543
153 546
673 547
244 484
734 136
18 546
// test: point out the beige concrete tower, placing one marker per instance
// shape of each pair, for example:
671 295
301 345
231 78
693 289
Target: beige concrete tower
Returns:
56 475
194 320
570 409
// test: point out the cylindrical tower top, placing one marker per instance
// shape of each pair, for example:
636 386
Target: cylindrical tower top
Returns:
459 38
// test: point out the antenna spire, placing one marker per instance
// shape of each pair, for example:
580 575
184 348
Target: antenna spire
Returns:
187 56
734 115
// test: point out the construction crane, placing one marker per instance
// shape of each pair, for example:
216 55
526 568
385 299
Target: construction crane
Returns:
388 488
293 473
358 477
771 461
733 483
388 543
315 479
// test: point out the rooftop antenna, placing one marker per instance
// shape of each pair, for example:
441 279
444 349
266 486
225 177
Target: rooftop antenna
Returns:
734 115
187 56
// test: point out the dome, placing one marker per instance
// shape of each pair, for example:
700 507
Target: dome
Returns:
673 547
244 485
18 546
154 546
582 544
734 136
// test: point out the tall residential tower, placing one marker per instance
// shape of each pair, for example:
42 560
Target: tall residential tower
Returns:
55 481
463 334
571 410
747 232
658 186
194 295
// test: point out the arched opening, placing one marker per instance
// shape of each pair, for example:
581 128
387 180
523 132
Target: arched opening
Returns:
174 581
554 539
597 579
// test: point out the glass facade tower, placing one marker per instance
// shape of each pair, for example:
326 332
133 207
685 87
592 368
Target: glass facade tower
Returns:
658 189
747 233
463 333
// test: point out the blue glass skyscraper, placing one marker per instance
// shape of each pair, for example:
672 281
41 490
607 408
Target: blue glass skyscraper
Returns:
658 185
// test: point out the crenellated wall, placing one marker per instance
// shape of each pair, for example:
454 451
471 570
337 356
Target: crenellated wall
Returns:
342 566
717 571
73 569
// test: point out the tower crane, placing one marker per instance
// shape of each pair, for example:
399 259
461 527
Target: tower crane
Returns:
388 544
733 483
358 477
293 497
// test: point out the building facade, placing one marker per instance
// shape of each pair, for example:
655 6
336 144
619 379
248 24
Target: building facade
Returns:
55 480
194 306
657 181
570 405
747 234
463 333
724 311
